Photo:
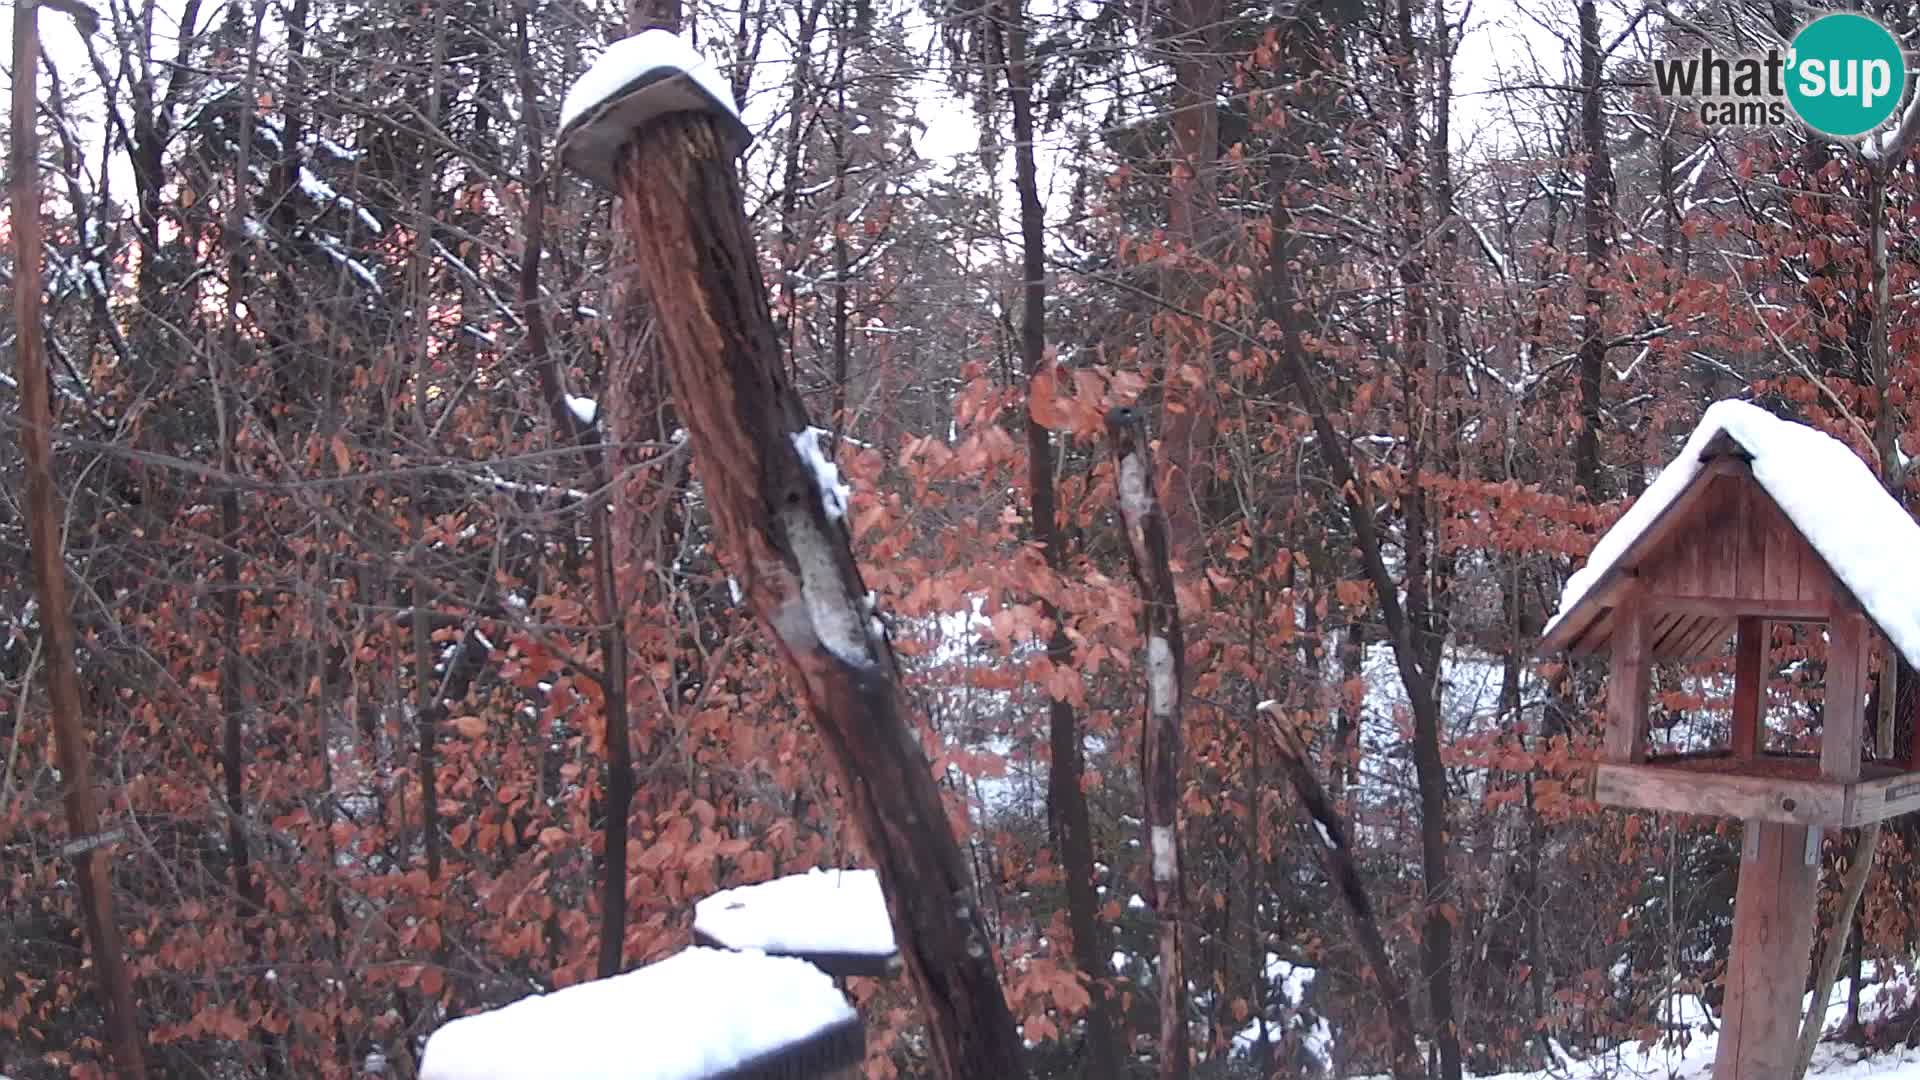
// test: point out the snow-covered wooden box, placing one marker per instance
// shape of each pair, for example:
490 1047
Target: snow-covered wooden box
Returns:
1759 520
701 1014
835 919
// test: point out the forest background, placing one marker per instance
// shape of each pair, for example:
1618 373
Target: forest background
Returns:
327 329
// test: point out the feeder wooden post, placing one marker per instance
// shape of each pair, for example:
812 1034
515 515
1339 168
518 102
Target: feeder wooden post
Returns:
1629 678
781 529
1749 687
1767 966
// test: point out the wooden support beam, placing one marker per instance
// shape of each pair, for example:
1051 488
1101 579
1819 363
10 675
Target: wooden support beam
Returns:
1721 794
1749 687
1772 935
1728 607
1629 678
1845 711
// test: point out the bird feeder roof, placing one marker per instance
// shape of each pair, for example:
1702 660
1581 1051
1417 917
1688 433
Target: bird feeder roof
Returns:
1827 495
635 81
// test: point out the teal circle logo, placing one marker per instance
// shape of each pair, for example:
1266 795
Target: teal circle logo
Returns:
1845 74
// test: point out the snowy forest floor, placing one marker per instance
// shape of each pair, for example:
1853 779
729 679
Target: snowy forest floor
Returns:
1880 1002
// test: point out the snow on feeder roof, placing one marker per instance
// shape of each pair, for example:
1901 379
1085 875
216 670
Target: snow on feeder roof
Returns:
837 919
701 1014
1829 496
634 82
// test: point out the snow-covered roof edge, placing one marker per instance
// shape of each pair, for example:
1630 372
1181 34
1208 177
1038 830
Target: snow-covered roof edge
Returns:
1869 542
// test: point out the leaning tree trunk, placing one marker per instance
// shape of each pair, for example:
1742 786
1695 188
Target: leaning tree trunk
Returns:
1161 750
779 517
1336 857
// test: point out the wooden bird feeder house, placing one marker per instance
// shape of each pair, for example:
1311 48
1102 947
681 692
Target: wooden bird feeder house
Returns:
1759 521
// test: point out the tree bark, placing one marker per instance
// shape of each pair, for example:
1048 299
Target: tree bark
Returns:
1161 751
1596 205
1065 798
1187 429
93 868
780 522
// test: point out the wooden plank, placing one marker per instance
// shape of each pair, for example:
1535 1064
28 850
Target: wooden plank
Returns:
1844 713
1629 677
1750 544
1878 800
1783 543
1723 537
1749 689
1732 607
1711 640
1773 912
1724 795
1669 630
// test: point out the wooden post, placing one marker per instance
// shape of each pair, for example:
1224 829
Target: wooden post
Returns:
779 518
1749 687
1844 714
1772 934
1629 677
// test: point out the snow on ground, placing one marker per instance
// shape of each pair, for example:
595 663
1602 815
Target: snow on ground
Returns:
1825 489
820 911
1694 1061
694 1014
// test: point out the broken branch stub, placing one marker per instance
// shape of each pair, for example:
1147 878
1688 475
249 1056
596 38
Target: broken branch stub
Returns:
778 513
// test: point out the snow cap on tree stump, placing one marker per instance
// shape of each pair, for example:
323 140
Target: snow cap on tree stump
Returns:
636 81
701 1014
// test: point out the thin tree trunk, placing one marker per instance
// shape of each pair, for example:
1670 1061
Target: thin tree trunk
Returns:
1853 886
1403 634
1161 738
1065 798
608 610
88 848
1596 206
1893 476
232 700
1187 428
426 700
779 518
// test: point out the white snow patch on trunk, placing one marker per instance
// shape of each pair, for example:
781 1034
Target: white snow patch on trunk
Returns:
1163 861
1135 498
826 475
1162 689
1326 835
